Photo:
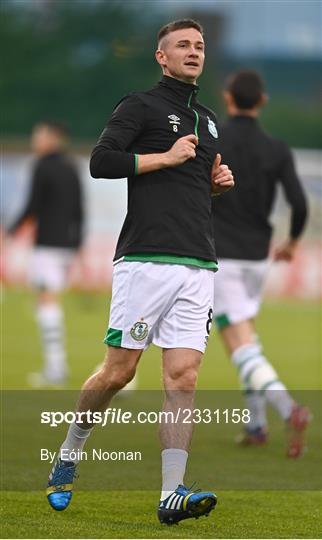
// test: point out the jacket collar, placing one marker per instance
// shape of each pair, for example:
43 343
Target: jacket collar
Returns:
182 89
245 118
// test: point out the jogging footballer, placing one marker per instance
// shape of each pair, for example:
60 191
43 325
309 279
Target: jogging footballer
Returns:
243 233
55 204
165 142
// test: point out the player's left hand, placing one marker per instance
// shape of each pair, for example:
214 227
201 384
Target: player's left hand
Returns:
222 178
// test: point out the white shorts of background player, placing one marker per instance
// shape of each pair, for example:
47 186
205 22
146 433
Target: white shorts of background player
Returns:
49 268
238 289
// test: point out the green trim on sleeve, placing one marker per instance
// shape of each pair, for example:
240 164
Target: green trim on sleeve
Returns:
171 259
136 164
222 321
113 337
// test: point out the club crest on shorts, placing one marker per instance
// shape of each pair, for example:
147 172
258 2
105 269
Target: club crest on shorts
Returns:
139 330
212 128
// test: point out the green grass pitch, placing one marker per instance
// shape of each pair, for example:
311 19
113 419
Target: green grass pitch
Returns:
291 334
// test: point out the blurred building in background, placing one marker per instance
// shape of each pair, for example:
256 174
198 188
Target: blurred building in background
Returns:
74 60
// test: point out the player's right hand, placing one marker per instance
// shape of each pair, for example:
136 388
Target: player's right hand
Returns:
183 149
285 252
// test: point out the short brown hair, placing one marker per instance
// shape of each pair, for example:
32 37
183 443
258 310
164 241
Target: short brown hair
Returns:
178 25
59 127
246 87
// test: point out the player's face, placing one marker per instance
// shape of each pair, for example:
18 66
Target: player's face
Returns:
44 140
182 54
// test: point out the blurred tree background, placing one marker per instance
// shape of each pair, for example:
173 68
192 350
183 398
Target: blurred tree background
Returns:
75 60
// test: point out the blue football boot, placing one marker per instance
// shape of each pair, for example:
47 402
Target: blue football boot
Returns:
184 504
60 484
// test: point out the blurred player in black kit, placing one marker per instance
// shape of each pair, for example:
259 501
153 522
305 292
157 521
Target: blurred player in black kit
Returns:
55 203
243 234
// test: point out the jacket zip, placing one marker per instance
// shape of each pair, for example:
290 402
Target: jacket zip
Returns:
196 114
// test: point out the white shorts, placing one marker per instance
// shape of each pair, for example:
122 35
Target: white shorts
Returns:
49 268
238 290
169 305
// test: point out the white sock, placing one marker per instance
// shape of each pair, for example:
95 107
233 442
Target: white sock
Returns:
280 399
174 461
51 322
247 358
74 443
259 375
256 403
